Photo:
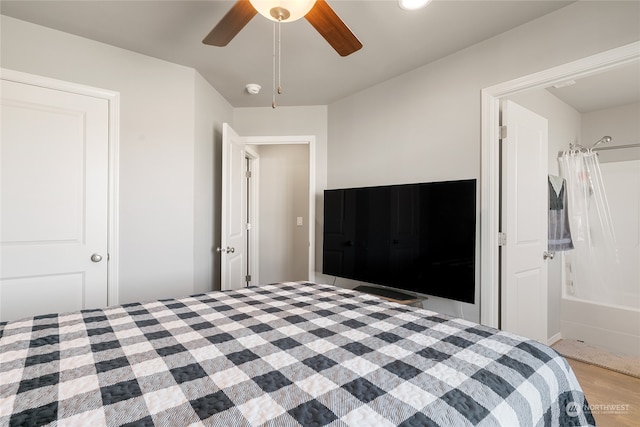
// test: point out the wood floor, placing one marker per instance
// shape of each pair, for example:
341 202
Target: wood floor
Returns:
614 398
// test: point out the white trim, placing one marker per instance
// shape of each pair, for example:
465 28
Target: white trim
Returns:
489 213
309 140
554 339
254 214
113 273
490 167
280 140
113 99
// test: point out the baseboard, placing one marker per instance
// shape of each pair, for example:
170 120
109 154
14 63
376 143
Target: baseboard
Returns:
554 339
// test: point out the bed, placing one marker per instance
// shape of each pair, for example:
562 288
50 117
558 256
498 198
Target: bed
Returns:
285 354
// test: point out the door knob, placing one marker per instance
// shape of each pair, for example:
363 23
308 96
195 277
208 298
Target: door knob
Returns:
96 257
548 255
228 250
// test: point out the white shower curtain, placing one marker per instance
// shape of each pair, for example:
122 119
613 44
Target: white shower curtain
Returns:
593 272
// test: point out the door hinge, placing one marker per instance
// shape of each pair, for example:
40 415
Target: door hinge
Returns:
502 239
247 174
247 278
503 132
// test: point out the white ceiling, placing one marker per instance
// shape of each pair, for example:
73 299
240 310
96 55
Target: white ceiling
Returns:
615 87
395 41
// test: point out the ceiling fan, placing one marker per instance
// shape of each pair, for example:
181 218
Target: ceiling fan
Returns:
319 14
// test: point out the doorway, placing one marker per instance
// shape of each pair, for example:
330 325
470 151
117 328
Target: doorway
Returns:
300 150
490 167
237 197
278 212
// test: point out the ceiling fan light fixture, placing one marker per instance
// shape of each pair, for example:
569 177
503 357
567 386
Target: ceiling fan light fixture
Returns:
412 4
283 10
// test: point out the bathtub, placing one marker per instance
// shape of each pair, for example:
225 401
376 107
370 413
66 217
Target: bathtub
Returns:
612 327
606 313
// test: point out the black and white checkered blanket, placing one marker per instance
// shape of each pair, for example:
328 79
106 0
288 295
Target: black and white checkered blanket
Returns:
279 355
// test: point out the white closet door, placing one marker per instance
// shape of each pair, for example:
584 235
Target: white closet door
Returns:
54 201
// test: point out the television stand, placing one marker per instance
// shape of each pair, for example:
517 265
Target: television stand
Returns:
391 295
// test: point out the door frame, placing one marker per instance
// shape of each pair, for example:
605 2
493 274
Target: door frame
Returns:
490 160
309 140
113 100
253 210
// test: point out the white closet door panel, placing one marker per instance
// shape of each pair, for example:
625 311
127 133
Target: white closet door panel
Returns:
54 196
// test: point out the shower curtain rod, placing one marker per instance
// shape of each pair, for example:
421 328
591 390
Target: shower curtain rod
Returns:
615 147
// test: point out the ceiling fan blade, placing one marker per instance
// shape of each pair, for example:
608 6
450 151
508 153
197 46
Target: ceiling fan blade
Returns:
231 24
331 27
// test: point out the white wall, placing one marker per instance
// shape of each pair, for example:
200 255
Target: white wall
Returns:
421 126
211 110
425 125
565 123
162 137
622 123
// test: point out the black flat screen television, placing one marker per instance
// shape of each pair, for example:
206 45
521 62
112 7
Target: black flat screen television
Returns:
414 237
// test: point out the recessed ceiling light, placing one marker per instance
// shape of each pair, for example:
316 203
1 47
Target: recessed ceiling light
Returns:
412 4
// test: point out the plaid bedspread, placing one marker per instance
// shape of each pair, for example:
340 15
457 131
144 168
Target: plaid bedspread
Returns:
279 355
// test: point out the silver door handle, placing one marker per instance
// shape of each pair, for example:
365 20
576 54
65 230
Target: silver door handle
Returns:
548 255
96 257
228 250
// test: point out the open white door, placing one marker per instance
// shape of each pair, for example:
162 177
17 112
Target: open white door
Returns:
54 197
234 198
524 221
